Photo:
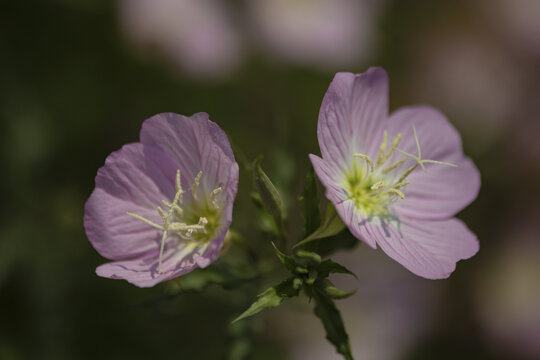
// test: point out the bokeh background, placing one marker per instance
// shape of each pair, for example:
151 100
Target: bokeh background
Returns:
78 77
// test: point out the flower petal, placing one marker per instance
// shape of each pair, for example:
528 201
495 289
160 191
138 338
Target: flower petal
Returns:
353 115
143 271
428 248
355 222
443 190
329 177
134 179
195 143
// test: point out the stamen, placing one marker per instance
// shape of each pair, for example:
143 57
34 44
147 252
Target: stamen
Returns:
213 195
382 149
183 230
178 181
367 159
407 173
377 185
386 155
401 184
397 192
139 217
394 165
178 210
196 185
161 213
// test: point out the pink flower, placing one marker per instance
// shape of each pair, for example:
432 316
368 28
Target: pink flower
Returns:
162 207
198 37
396 180
326 34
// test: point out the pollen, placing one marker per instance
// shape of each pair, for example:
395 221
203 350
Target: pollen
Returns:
375 186
194 222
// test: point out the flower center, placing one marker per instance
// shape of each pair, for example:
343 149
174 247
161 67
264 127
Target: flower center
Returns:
374 186
195 222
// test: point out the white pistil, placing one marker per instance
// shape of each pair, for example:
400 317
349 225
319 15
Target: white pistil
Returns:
418 158
151 223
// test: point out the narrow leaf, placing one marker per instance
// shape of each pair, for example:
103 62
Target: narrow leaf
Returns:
270 197
271 297
331 225
328 267
290 263
309 202
331 319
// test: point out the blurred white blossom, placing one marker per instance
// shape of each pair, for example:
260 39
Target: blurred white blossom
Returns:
198 37
329 34
470 78
517 21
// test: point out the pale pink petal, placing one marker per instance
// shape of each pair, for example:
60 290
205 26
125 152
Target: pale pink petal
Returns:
353 116
355 222
443 190
143 271
428 248
134 179
195 143
329 177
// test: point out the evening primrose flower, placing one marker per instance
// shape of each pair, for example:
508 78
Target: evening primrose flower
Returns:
396 180
162 206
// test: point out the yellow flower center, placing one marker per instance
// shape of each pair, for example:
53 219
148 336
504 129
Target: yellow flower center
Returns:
195 222
369 184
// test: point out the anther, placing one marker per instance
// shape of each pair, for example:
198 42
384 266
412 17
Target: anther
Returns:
394 165
378 185
161 213
382 149
196 185
397 192
367 159
213 195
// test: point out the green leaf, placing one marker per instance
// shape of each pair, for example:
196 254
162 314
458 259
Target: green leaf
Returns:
331 319
328 267
271 297
290 263
331 225
268 193
309 202
326 287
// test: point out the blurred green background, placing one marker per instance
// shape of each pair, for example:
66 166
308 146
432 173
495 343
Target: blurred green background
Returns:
77 78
